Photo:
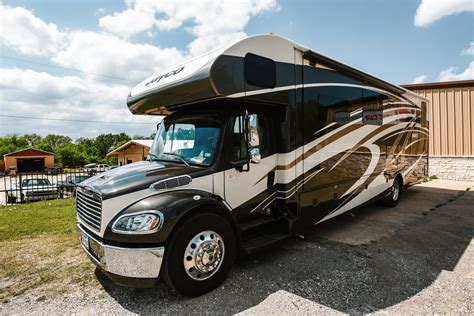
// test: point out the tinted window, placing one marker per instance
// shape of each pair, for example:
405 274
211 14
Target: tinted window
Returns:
259 71
239 143
325 106
320 74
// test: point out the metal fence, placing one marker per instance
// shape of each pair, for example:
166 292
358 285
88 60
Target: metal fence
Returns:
37 186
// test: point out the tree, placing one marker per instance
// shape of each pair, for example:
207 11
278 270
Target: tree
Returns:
55 141
70 155
33 139
11 143
107 142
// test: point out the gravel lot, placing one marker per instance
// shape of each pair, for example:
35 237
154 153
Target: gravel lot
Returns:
417 257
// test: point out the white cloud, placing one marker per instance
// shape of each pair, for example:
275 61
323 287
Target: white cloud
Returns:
28 34
420 79
468 51
96 53
65 97
430 11
451 73
214 23
128 22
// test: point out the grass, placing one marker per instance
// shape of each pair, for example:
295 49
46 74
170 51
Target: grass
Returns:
40 255
33 219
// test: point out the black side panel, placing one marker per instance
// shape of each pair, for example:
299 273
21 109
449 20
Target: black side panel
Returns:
259 71
173 204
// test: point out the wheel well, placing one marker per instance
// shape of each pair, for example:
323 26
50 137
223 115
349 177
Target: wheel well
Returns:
399 176
210 208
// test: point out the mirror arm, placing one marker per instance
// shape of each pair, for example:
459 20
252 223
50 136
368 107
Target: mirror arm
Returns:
239 165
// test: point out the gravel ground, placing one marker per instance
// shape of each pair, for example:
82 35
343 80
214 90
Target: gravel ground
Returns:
416 258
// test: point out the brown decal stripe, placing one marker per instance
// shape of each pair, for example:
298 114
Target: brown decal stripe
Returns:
265 176
360 143
320 145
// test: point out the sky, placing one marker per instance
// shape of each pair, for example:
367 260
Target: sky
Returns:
74 62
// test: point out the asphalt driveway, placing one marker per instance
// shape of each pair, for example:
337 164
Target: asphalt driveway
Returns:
417 257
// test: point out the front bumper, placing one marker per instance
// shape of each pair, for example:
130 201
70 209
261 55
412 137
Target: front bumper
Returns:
135 267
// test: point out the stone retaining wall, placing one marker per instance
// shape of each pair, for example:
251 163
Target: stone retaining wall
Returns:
452 168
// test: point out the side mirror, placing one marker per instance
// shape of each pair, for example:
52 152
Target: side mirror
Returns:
255 156
253 139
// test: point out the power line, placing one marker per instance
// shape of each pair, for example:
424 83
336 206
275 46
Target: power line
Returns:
69 69
70 120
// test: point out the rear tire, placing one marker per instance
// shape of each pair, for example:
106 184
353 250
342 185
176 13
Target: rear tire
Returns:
200 254
395 193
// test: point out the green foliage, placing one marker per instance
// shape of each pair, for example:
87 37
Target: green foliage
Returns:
54 141
68 153
33 139
184 134
12 143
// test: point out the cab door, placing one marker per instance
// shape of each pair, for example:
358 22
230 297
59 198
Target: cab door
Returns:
251 191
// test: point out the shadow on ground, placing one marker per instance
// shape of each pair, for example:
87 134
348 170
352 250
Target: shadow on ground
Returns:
360 262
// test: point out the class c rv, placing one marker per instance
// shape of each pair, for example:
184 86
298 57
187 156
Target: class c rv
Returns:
261 140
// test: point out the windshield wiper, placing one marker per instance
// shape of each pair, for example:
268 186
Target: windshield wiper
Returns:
153 157
156 158
179 156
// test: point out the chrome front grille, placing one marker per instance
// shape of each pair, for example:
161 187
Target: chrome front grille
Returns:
89 208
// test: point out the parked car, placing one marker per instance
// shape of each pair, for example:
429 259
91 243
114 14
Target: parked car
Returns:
53 170
69 186
90 168
34 189
94 168
102 168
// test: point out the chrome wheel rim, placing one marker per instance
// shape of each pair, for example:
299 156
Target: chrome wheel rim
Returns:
395 190
204 255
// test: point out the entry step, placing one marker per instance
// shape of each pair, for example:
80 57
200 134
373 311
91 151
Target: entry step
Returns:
263 242
256 223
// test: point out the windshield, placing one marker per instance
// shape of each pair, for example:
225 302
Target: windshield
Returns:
189 140
31 182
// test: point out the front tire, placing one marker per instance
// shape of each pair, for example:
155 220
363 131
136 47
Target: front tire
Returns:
395 193
200 254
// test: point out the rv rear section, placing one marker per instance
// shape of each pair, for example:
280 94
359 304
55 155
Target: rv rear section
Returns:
261 140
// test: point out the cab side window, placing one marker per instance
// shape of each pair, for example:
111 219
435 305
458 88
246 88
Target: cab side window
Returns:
239 143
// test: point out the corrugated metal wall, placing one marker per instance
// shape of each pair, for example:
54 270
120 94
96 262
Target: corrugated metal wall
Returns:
451 116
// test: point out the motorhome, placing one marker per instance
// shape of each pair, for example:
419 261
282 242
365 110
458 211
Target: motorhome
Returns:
261 140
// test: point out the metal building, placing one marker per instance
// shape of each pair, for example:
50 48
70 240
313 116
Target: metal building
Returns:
132 151
451 124
29 160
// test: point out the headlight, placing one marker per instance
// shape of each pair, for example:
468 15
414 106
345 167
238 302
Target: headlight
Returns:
144 222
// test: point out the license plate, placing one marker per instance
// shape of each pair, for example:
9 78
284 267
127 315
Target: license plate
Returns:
85 240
